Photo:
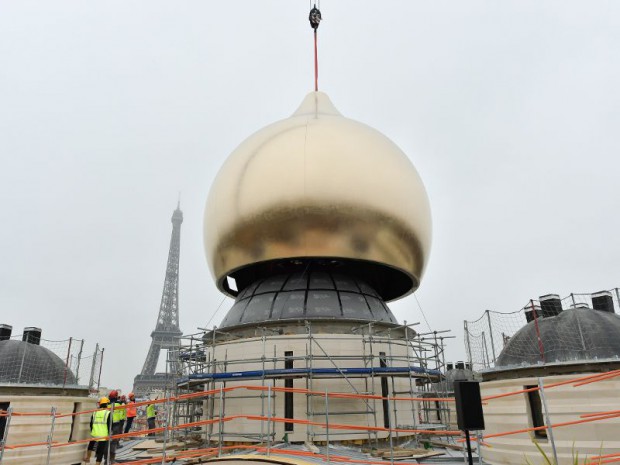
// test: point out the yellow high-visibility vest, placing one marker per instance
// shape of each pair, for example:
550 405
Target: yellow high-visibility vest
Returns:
118 413
100 424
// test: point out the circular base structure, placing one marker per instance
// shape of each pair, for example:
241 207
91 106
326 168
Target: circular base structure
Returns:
312 295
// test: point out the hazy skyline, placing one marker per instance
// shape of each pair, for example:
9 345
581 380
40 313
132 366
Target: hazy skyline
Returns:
510 112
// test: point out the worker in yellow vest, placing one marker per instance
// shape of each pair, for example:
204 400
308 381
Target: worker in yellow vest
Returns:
151 414
100 427
117 426
123 414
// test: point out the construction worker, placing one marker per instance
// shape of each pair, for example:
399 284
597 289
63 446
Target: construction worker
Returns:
151 414
117 427
131 411
100 427
123 414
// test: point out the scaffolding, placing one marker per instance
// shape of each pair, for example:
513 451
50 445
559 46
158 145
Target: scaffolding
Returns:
205 365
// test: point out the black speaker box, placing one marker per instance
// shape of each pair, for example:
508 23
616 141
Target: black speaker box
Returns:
468 405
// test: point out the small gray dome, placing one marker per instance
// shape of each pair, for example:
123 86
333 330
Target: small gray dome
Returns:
573 335
307 296
25 363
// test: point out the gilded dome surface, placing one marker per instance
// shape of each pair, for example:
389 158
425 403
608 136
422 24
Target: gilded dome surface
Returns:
318 185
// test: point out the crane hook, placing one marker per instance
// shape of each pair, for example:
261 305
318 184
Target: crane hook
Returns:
314 17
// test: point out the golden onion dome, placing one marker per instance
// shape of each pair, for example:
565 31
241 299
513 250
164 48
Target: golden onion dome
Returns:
318 187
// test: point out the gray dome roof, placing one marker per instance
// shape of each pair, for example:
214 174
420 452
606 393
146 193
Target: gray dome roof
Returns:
578 334
25 363
307 296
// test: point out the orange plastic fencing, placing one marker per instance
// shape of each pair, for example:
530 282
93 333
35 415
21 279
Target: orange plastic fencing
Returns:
580 381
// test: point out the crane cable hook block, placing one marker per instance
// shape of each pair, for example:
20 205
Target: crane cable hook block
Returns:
315 17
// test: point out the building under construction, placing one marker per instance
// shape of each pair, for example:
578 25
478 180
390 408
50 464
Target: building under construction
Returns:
374 376
312 225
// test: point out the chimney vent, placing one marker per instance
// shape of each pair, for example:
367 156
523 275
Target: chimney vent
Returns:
603 301
529 312
550 305
449 366
460 365
5 332
32 335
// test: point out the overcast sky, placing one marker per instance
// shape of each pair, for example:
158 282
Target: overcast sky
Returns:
509 110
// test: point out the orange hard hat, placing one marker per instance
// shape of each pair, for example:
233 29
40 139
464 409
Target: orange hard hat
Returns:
113 393
123 398
131 395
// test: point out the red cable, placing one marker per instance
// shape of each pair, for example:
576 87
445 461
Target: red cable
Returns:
316 65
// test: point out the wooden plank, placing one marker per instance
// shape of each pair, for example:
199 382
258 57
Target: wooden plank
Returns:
417 457
411 452
446 445
148 444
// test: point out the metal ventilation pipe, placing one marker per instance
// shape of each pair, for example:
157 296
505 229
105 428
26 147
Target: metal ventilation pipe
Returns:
449 366
5 332
550 305
603 301
460 365
32 335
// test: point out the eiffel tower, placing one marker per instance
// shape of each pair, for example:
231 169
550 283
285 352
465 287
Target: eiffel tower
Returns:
167 333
